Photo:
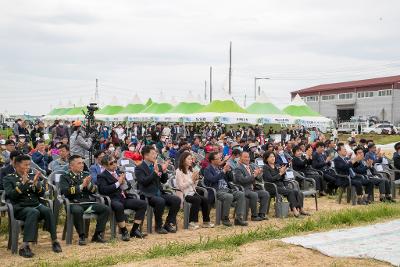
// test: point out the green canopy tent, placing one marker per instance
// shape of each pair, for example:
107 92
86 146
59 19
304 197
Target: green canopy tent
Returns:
298 108
186 108
134 107
108 112
157 108
75 113
266 112
305 116
56 113
225 111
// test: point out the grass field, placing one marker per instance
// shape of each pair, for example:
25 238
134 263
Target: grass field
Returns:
380 139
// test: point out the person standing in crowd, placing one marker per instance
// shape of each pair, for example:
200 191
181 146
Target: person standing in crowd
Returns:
22 144
149 176
17 128
218 179
136 131
186 180
78 187
245 175
24 193
79 144
37 133
59 131
113 184
335 137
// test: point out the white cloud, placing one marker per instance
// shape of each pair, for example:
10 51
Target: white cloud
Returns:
52 50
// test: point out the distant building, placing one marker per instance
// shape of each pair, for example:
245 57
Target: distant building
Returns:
379 97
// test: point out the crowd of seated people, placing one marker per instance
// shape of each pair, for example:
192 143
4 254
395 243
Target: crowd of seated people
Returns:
204 165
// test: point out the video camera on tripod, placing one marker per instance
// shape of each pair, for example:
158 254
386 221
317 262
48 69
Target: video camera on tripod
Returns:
91 130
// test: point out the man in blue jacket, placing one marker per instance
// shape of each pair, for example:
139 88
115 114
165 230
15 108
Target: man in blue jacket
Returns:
41 157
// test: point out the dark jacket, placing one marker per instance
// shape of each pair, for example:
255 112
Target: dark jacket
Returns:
272 175
243 177
149 182
342 166
301 164
6 170
22 195
396 160
361 168
106 184
396 163
212 178
318 161
42 160
70 187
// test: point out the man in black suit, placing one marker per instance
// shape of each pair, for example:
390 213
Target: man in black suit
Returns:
396 159
343 167
365 171
9 168
149 176
322 163
302 164
114 185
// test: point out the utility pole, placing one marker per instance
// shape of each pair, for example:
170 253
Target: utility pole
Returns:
210 84
230 68
245 98
96 93
205 90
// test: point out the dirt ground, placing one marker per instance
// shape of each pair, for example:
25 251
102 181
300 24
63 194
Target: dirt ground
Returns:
262 252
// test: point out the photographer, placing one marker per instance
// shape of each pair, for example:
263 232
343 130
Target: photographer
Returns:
79 143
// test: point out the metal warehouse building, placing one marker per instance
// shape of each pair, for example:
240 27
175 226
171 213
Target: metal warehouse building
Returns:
378 97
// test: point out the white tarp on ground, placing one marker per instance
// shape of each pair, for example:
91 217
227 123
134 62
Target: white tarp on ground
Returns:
379 241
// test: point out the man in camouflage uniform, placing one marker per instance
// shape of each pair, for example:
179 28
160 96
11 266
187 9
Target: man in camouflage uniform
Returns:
77 186
24 192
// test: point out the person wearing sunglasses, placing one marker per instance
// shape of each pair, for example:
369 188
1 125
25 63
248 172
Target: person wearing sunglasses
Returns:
114 184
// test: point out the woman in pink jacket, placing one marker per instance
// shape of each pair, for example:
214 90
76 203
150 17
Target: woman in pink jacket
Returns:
186 180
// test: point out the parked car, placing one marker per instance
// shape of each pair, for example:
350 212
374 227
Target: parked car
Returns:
381 128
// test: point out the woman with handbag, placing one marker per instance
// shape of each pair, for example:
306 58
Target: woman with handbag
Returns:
273 174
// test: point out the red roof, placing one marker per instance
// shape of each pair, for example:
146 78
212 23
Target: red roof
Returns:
349 85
